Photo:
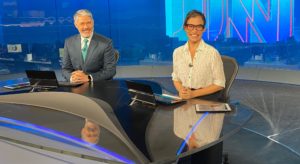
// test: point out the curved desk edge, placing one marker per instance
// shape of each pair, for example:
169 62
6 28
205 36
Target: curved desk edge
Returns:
77 105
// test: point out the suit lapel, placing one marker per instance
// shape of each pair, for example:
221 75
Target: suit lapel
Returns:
78 49
91 48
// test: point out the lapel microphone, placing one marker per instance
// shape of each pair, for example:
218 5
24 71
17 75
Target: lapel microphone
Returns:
190 65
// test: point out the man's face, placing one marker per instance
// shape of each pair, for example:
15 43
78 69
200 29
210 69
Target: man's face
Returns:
85 26
90 132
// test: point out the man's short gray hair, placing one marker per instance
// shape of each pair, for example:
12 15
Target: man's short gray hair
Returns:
82 12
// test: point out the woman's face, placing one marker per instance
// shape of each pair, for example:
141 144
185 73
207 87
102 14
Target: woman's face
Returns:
194 29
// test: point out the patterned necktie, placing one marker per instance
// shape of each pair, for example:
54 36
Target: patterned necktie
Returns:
85 48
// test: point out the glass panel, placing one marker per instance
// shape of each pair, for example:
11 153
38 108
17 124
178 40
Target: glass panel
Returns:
138 32
260 35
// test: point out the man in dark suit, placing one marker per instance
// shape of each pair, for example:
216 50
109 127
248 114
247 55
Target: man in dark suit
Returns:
87 56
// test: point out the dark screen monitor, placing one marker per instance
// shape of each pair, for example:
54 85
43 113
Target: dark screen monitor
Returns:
144 93
45 79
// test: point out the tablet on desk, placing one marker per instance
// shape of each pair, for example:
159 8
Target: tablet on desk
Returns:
17 86
213 107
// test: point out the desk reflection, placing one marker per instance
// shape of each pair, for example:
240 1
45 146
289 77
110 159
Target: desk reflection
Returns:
90 132
82 88
196 129
169 133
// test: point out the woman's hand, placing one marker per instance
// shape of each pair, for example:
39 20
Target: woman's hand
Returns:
186 93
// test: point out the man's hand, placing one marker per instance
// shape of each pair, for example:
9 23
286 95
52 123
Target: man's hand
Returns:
79 76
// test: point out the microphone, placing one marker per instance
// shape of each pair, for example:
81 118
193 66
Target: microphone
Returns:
190 65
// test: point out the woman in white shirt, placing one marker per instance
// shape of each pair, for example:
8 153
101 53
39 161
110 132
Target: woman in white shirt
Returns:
197 66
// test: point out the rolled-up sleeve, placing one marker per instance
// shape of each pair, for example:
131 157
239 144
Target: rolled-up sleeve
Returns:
218 70
175 66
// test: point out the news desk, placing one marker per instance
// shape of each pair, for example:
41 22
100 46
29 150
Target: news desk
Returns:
95 122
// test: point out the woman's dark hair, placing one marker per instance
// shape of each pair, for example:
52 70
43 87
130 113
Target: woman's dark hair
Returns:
192 14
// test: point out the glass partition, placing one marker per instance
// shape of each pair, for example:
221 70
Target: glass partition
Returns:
263 34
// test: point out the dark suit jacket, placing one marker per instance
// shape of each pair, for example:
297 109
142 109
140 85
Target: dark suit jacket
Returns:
100 61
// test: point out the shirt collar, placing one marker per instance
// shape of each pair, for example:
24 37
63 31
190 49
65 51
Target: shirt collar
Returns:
89 38
199 48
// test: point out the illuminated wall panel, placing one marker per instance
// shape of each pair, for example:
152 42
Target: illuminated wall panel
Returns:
255 21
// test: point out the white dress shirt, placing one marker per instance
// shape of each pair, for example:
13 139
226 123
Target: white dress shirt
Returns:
206 68
82 44
88 43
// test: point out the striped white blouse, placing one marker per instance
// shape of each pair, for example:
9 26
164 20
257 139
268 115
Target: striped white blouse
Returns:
204 70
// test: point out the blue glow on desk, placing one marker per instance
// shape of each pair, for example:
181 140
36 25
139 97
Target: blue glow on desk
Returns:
190 133
58 136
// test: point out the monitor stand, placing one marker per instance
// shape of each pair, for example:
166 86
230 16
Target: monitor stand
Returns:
142 98
38 88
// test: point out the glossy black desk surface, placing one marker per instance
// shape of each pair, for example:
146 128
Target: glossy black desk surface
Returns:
159 133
